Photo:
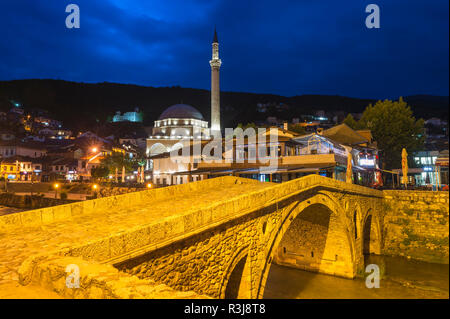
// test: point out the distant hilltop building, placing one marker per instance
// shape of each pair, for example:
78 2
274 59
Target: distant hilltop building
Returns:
135 116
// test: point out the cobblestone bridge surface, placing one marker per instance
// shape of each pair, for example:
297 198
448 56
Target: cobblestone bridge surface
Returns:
17 242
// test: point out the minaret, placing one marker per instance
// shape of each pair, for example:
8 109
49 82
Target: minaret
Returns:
215 89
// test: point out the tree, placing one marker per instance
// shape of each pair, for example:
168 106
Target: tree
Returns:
350 121
100 172
393 127
297 128
117 160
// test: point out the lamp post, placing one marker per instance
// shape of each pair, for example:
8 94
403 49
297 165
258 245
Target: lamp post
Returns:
94 189
56 186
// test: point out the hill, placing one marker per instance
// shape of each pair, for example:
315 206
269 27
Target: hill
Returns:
82 106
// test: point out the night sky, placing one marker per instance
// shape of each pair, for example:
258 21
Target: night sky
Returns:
282 47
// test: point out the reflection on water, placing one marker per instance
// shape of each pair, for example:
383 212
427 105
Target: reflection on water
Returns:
401 279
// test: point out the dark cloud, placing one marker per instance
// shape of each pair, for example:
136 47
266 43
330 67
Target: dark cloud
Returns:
284 47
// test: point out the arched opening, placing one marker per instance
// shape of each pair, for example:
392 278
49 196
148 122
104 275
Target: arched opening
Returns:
235 285
367 239
314 242
371 239
157 148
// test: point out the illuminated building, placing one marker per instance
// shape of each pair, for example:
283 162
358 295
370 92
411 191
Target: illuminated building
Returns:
134 116
181 124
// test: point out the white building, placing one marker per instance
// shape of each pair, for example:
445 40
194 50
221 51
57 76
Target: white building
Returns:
14 147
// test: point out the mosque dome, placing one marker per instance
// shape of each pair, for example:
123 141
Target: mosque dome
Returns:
181 111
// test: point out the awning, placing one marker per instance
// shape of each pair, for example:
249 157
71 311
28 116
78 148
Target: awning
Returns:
442 162
304 170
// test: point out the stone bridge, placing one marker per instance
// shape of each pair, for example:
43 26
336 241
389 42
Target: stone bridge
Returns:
214 238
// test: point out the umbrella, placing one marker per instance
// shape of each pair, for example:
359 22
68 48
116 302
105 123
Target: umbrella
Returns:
140 172
379 178
349 168
116 178
405 167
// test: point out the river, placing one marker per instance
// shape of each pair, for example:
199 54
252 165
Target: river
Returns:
401 279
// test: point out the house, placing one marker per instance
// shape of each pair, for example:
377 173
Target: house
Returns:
21 168
15 147
64 169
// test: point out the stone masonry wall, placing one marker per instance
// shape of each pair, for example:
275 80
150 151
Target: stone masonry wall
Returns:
96 281
416 225
199 263
30 202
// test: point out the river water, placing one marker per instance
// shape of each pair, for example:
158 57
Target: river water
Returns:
401 279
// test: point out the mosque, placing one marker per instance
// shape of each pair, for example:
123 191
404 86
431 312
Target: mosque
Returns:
181 124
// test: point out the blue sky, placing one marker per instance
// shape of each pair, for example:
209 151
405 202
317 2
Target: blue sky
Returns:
282 47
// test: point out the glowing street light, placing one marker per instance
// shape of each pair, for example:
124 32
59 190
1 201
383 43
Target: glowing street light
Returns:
56 186
95 187
94 150
149 185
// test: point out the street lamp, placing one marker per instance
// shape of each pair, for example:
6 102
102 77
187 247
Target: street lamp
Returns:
95 187
56 186
149 185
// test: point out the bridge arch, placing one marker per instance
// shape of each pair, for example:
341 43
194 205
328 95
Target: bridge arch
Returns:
371 234
235 281
334 230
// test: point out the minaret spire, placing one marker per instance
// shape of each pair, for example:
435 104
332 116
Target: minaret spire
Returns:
215 36
215 64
